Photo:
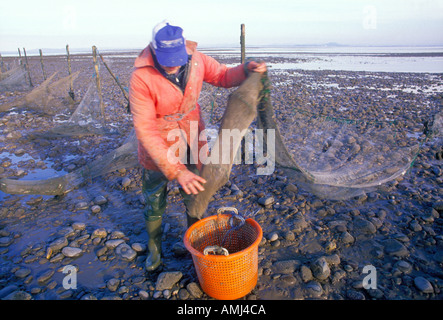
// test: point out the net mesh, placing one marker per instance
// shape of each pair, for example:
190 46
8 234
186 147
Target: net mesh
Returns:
14 79
87 119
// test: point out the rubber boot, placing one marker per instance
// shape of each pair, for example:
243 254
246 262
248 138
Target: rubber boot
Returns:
154 244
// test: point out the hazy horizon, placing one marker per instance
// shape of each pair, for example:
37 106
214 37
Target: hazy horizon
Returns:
110 24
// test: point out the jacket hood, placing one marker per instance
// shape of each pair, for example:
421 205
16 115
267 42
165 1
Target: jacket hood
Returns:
145 58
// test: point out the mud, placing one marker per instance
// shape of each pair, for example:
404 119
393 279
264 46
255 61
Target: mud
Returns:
313 248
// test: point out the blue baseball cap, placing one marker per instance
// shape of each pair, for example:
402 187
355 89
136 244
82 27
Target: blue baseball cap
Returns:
169 45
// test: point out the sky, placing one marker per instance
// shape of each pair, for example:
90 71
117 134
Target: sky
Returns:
128 24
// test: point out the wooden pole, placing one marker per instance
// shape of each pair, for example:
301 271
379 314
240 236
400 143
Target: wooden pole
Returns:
115 78
71 92
20 57
242 43
97 79
41 62
27 68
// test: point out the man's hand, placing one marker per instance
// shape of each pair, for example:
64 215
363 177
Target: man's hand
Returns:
190 182
259 67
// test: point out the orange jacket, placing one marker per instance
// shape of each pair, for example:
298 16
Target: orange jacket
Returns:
152 97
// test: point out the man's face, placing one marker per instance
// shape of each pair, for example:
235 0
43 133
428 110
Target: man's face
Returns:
171 70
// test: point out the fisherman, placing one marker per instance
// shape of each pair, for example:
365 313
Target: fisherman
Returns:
164 88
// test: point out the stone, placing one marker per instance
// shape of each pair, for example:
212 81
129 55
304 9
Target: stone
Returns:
99 233
285 266
6 241
72 252
320 269
22 273
364 226
96 209
423 285
395 248
266 201
45 276
166 280
125 252
306 273
100 200
346 238
126 182
194 289
138 247
58 244
113 284
111 244
79 226
18 295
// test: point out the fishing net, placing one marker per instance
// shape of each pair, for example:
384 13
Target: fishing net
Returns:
14 79
87 119
50 97
337 154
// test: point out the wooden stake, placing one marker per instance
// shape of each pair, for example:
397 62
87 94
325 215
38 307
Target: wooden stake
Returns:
115 78
20 57
97 79
71 92
27 67
41 62
242 43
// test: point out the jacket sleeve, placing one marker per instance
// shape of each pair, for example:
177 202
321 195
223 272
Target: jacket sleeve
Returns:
146 128
220 75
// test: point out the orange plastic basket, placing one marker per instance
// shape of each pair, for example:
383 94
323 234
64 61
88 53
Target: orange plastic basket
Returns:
225 277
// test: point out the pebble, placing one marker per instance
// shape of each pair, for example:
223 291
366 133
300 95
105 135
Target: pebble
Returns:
111 244
96 209
72 252
423 285
125 252
166 280
395 248
113 284
194 289
99 233
320 269
266 201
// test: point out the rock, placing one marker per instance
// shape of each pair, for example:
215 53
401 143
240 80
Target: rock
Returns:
404 266
82 205
195 290
363 226
99 233
166 280
138 247
7 290
113 284
423 285
183 294
58 244
143 294
285 266
79 226
125 252
126 182
273 237
320 269
395 248
266 201
355 295
100 200
306 273
299 224
111 244
45 276
22 273
314 289
18 295
6 241
72 252
96 209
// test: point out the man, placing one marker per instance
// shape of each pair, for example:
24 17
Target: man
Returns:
164 88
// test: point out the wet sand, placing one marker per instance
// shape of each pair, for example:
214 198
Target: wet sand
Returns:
313 248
